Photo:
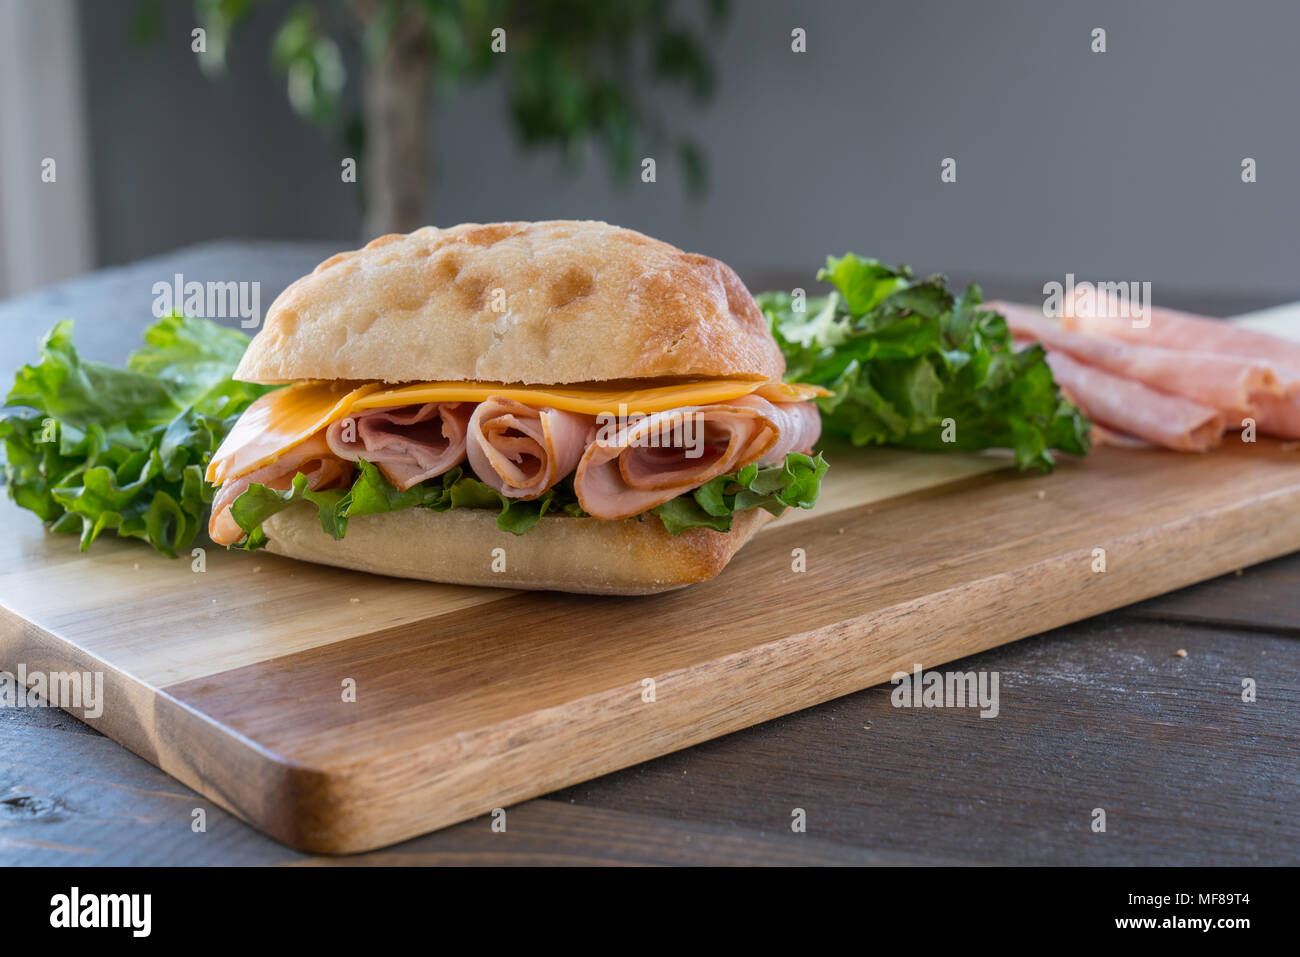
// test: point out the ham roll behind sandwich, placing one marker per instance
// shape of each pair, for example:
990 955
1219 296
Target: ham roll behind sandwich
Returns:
1175 380
526 355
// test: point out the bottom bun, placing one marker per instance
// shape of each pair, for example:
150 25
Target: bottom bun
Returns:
561 553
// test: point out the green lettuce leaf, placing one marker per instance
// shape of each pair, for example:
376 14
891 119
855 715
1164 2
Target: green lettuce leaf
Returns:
794 483
257 503
92 448
194 359
371 494
909 364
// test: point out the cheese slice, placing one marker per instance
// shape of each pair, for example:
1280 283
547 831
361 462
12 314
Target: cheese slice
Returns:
278 421
594 399
286 417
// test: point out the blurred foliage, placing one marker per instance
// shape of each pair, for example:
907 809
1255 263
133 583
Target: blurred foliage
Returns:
577 72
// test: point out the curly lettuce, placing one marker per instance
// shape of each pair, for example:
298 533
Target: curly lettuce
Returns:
910 364
92 448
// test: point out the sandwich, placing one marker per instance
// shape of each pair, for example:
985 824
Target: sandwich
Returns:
551 405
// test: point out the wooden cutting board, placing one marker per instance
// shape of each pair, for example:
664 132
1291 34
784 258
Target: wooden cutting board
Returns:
232 679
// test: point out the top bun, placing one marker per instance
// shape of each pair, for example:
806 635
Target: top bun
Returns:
583 302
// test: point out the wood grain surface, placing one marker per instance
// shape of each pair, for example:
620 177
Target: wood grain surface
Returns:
230 680
1099 713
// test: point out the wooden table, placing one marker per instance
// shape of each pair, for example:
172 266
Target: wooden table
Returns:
1105 713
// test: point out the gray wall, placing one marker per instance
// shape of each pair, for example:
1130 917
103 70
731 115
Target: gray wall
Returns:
1117 165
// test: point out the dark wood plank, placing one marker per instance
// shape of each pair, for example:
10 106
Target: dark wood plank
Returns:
1103 713
74 797
1265 596
113 307
1100 714
557 833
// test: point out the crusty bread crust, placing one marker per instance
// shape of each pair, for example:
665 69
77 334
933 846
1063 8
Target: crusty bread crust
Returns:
562 553
583 302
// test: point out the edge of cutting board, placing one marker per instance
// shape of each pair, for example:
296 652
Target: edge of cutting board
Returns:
357 805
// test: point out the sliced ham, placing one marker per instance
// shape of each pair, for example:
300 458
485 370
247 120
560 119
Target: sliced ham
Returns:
313 458
799 423
521 450
1279 416
407 443
1133 409
635 468
1101 435
1236 386
1186 332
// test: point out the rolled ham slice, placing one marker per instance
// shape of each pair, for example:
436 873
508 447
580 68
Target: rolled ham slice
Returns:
1186 332
407 443
521 450
1236 386
1280 417
1168 328
635 469
313 458
1131 408
799 423
1100 435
